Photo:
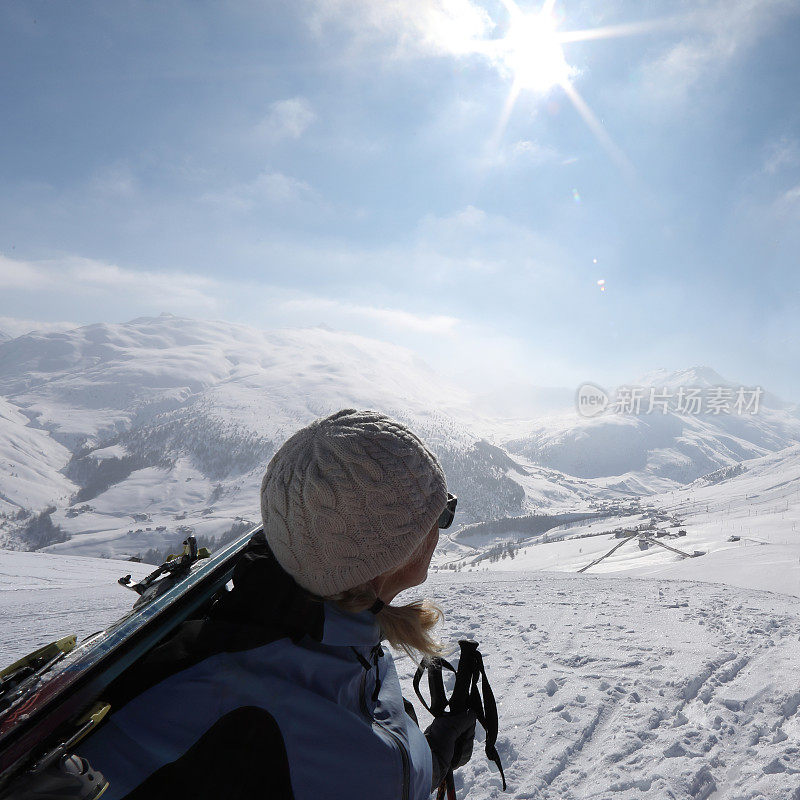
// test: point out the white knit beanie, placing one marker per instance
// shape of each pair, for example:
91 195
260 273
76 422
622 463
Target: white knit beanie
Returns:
349 497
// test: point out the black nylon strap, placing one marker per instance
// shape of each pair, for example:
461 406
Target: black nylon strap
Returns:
470 691
491 722
439 700
447 789
377 606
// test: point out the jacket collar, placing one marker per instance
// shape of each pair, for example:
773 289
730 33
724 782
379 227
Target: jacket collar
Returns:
344 628
265 595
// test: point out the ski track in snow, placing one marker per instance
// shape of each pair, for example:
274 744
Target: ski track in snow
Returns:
612 688
44 597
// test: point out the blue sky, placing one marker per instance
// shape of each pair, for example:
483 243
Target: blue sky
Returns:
356 164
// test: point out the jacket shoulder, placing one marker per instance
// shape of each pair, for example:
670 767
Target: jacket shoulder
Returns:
240 757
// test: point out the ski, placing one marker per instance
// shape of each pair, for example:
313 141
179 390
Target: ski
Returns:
17 678
52 698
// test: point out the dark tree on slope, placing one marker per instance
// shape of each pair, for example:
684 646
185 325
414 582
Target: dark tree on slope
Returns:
216 448
39 530
481 481
94 476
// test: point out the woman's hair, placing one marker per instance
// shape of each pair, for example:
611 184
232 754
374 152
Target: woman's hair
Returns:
408 627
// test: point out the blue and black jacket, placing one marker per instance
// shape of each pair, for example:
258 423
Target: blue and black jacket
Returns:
274 694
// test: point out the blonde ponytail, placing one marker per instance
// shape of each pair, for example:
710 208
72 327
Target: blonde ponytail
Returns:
408 627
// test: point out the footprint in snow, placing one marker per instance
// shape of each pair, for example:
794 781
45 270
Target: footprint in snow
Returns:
675 750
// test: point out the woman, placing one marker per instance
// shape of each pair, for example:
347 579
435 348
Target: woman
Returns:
284 690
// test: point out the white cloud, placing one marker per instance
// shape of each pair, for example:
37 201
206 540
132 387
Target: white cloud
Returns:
72 281
275 187
720 30
14 326
116 180
286 119
16 274
441 27
521 152
385 317
474 240
268 188
792 196
78 277
534 151
183 290
781 153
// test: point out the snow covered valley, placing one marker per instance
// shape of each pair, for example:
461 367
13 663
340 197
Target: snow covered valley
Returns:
118 440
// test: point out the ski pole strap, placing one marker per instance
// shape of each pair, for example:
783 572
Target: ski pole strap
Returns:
471 690
439 700
491 723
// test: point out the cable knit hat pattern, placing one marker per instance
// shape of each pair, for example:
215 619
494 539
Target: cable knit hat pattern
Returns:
348 497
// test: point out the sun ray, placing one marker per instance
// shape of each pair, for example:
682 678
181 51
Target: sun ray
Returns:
598 129
531 52
521 51
628 29
513 9
508 107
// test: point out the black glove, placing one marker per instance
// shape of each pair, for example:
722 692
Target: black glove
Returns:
450 738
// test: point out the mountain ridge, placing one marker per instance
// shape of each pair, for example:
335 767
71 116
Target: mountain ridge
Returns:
173 420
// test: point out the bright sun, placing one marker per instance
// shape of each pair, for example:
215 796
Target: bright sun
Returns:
532 51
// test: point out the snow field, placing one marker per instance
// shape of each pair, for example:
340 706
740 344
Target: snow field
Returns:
759 509
44 597
607 686
614 687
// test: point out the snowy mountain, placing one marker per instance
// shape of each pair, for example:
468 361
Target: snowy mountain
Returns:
739 526
644 449
31 463
632 578
118 440
162 424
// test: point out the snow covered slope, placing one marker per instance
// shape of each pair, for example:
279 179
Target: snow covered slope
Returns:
168 424
614 687
744 522
90 382
119 440
607 686
30 463
44 597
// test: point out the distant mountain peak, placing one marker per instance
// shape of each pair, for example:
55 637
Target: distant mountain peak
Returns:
700 376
